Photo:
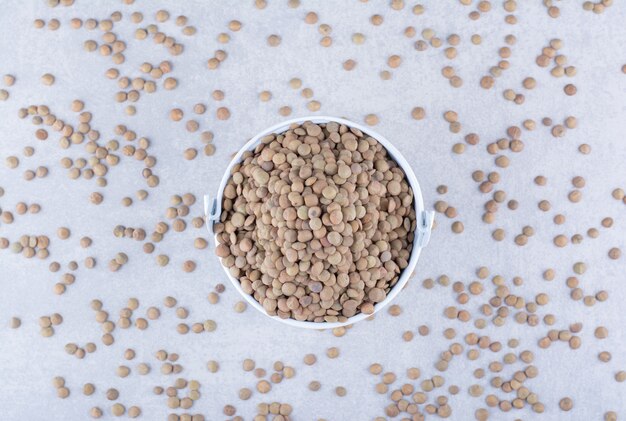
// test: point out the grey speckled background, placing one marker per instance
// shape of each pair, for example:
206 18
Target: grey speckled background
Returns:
593 43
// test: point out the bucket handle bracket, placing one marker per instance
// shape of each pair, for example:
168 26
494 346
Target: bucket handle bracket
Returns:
424 228
212 212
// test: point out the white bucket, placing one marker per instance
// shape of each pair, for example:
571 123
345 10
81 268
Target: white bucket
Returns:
424 219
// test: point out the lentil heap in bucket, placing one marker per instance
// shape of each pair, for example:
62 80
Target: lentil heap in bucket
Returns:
317 223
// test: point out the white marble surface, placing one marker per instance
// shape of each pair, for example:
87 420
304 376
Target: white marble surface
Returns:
593 43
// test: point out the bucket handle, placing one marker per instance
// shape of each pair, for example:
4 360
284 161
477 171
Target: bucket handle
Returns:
212 212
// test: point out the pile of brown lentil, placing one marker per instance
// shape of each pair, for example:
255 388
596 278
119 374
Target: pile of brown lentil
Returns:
317 223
